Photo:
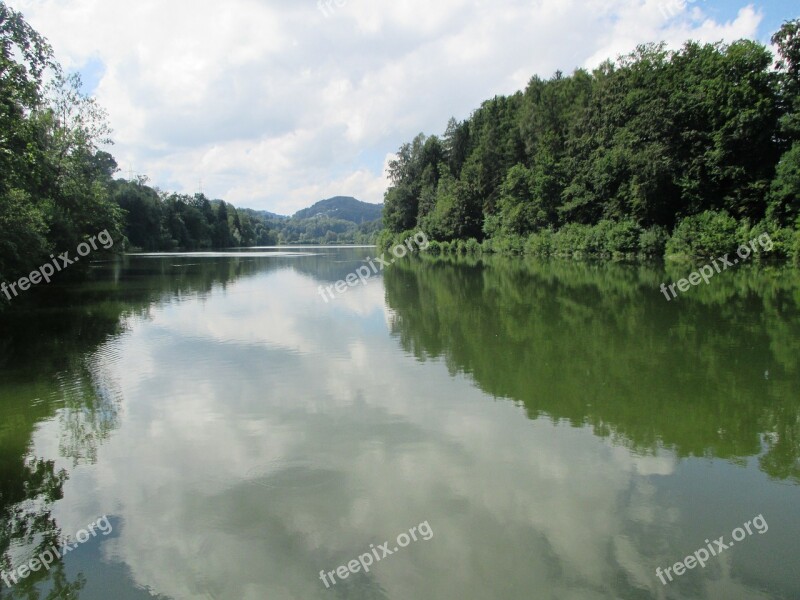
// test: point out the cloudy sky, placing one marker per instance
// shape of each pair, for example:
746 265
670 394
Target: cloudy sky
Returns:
275 104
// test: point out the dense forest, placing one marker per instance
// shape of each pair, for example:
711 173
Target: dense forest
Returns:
155 220
688 152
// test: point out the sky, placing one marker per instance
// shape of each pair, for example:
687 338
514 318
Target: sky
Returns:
276 104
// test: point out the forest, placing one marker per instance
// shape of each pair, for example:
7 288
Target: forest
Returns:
685 152
158 221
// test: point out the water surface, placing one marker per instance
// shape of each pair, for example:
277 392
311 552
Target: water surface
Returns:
562 428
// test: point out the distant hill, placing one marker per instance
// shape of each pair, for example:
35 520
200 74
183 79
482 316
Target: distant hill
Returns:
269 215
344 208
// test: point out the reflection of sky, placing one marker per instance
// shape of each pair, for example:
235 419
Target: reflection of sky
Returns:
266 435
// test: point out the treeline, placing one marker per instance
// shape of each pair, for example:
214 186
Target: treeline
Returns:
159 221
156 221
323 229
681 152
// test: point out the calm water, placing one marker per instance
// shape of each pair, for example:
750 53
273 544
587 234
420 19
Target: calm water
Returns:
561 428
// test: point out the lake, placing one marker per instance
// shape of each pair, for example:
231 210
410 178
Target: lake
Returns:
465 429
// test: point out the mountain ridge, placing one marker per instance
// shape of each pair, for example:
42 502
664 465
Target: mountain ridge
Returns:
345 208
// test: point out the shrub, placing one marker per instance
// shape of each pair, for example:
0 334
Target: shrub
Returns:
24 233
507 244
597 237
705 235
623 237
540 244
653 241
434 248
783 240
473 246
385 239
571 239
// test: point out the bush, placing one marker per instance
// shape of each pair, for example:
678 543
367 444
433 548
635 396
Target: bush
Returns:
23 241
653 241
783 240
597 238
385 239
473 247
540 244
434 248
623 237
508 244
706 235
571 239
745 232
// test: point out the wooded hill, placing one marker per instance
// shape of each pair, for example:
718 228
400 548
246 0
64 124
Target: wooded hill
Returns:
684 152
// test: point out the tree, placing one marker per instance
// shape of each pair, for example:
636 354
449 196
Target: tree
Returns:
222 233
784 206
400 207
516 208
24 57
54 178
456 143
784 201
787 39
143 212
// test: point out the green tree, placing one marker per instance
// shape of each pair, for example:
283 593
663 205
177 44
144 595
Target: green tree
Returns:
54 178
784 201
222 233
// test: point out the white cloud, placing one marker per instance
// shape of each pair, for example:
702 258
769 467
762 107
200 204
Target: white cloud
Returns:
274 105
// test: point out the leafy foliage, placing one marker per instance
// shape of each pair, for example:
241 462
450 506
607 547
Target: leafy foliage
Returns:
54 179
614 160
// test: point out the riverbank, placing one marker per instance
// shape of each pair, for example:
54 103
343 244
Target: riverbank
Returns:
704 236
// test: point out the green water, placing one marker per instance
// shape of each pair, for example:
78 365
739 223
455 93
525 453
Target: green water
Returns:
562 429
